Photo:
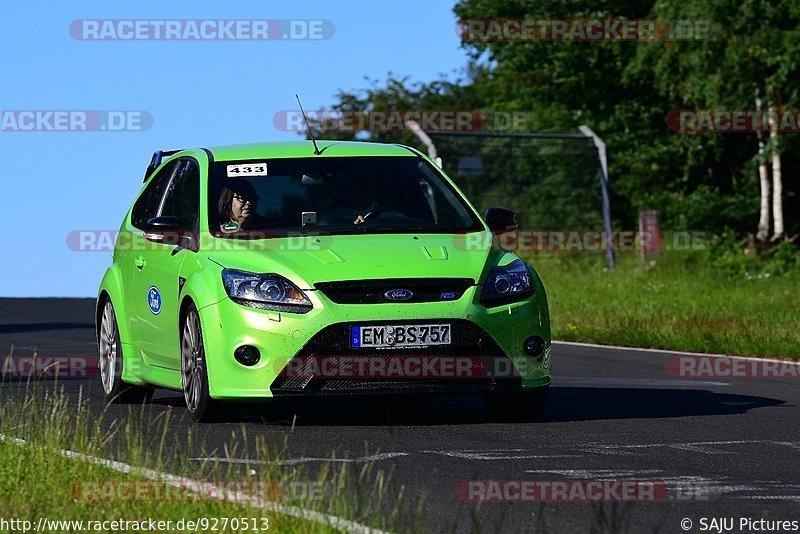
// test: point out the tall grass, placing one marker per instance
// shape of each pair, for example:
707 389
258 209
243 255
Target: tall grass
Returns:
42 483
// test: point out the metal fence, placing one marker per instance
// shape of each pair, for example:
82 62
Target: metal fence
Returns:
554 182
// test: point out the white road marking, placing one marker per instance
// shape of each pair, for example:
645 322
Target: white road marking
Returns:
701 443
497 454
702 447
605 450
211 490
733 442
597 474
772 497
693 446
678 352
714 486
295 461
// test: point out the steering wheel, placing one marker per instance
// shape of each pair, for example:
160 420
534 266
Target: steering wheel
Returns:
383 209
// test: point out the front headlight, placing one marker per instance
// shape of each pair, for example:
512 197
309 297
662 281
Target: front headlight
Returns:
506 284
264 291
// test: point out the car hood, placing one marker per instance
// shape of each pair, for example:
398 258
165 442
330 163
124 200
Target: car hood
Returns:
307 260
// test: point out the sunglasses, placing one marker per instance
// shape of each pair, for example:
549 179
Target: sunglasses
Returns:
244 200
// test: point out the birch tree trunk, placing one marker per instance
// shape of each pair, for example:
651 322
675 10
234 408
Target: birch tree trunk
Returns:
777 180
763 177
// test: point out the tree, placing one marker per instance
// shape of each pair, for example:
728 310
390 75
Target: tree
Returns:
763 177
625 90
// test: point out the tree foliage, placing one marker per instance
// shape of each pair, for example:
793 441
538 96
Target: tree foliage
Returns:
625 91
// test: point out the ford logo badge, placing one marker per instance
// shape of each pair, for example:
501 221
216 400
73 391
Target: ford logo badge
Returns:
398 294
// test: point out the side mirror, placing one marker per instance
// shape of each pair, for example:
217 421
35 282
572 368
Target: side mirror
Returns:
167 230
501 220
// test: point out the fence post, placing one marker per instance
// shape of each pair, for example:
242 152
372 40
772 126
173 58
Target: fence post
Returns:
649 235
417 130
601 152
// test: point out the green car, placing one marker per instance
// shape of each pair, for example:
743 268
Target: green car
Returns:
252 272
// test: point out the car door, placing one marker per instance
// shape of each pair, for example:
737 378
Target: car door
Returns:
131 243
158 281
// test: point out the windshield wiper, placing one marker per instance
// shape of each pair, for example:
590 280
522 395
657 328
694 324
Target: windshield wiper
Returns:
368 229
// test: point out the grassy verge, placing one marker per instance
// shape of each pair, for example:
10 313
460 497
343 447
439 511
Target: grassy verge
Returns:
682 303
42 483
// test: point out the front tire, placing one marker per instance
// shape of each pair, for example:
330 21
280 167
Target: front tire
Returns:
112 363
201 406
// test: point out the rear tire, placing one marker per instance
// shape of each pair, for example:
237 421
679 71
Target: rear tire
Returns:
517 406
112 363
194 374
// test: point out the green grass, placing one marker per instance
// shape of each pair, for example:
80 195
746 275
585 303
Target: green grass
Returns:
42 483
681 303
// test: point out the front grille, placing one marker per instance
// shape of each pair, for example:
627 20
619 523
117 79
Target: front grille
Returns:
390 387
373 291
468 340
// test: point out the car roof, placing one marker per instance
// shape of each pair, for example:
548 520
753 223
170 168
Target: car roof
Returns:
301 149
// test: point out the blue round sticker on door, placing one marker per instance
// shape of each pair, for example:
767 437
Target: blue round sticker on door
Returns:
154 300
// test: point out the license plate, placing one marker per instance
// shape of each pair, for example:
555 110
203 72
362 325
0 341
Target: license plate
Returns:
404 335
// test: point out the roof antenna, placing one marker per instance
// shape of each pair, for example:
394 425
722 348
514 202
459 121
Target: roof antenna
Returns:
316 148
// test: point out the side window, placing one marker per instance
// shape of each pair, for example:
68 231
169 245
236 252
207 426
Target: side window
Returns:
182 198
147 206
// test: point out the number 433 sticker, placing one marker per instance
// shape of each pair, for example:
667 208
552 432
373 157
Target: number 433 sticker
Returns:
247 169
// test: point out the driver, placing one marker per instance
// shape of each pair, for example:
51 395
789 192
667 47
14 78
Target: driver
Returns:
360 201
237 206
361 198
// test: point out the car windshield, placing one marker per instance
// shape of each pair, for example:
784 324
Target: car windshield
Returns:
334 195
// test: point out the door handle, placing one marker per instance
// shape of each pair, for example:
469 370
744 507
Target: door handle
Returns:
139 263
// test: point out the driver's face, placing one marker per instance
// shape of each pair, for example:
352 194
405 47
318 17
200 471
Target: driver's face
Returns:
241 208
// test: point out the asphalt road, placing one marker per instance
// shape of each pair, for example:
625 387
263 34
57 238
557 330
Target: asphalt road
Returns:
723 447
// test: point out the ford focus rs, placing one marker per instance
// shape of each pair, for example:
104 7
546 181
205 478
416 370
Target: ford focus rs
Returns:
253 272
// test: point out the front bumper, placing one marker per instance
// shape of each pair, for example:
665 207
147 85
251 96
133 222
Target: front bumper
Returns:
496 337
